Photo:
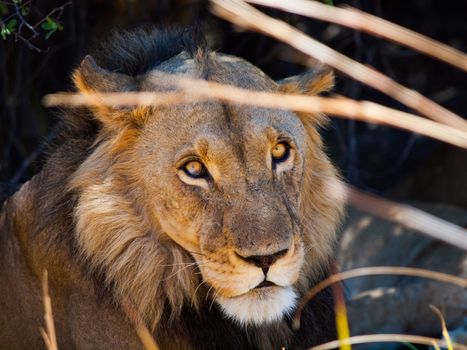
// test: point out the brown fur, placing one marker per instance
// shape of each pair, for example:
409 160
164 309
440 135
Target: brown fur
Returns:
108 216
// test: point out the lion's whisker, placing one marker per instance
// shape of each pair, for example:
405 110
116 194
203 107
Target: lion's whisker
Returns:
207 294
216 293
194 293
196 253
180 270
177 264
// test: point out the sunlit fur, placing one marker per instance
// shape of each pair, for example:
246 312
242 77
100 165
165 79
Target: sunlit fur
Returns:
262 306
117 234
109 210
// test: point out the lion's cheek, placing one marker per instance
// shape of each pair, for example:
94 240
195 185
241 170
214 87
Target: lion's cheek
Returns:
182 232
180 224
186 241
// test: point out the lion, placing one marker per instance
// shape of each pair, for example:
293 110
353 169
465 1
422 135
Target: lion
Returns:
210 220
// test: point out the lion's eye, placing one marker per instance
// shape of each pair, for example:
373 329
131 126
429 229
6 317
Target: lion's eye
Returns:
194 169
280 152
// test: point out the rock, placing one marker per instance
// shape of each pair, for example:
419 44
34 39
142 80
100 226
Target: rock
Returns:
400 304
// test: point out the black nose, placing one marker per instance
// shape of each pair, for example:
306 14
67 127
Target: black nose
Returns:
264 261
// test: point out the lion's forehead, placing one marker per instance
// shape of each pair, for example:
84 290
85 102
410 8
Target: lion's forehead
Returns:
235 136
221 128
181 124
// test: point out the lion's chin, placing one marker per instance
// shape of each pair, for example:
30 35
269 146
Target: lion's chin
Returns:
259 306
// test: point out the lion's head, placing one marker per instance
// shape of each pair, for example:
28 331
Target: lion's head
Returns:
177 204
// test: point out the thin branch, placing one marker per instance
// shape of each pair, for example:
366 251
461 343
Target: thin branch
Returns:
372 271
57 9
244 15
24 22
365 22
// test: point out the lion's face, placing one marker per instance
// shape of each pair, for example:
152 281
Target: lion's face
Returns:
227 189
232 185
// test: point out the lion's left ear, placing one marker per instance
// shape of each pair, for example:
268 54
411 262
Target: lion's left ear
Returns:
91 79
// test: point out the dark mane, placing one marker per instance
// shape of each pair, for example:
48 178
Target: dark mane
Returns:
135 52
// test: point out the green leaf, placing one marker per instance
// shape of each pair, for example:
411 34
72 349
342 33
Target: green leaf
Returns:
50 33
11 25
329 2
45 26
4 32
49 24
25 10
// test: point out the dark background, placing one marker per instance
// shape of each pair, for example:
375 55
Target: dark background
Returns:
397 164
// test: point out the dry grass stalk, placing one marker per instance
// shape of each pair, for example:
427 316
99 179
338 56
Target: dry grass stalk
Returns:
340 309
371 271
446 336
198 90
410 217
384 338
244 15
49 335
365 22
143 332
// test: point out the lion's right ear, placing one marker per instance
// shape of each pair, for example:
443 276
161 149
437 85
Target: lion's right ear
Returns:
91 79
311 83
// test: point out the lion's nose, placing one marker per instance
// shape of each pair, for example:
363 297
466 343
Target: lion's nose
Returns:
264 261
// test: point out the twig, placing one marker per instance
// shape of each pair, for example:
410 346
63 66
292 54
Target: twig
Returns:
371 271
57 9
365 22
244 15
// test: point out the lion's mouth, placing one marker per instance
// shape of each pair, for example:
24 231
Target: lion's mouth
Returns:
265 284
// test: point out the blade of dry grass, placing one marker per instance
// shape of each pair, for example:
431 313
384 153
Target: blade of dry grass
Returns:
143 332
365 22
446 336
384 338
409 216
371 271
198 90
340 310
48 334
244 15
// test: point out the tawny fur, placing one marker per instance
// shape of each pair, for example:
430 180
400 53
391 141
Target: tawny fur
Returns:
122 219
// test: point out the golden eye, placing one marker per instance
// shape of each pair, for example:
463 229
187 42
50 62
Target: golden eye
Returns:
280 152
194 169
